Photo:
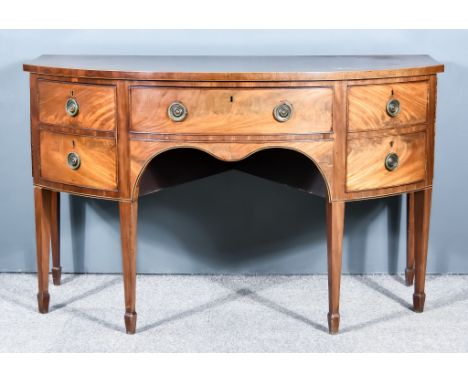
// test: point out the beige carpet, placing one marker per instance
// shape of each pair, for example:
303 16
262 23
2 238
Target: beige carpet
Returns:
233 314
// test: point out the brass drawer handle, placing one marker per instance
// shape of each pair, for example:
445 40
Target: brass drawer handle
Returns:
392 161
72 107
283 111
177 111
393 107
73 161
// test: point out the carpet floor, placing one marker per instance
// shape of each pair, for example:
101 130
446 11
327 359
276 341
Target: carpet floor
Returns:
233 314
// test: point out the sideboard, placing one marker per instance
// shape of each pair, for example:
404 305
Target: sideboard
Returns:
342 127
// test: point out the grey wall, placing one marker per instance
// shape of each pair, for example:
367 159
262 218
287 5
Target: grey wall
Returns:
234 222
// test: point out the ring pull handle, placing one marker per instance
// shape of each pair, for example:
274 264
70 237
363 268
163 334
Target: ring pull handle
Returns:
393 107
72 107
391 162
177 111
73 161
283 111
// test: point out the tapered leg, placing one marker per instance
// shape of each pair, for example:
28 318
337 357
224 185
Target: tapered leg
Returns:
335 225
42 201
409 271
422 211
55 237
128 233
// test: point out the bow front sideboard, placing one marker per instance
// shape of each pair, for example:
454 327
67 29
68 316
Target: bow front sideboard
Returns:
342 127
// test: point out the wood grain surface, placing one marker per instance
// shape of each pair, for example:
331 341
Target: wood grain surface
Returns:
367 105
98 160
234 68
231 111
366 161
320 152
97 108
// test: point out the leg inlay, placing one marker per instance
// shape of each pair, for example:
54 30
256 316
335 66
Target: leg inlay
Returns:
55 236
409 271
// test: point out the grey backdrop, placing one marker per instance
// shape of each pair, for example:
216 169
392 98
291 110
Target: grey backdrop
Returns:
235 223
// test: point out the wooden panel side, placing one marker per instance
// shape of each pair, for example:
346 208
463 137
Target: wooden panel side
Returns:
35 138
123 139
339 146
430 135
96 104
231 111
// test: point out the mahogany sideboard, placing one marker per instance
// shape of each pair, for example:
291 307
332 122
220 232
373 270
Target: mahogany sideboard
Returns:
342 127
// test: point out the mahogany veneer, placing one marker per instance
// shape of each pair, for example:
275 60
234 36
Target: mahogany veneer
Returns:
98 168
364 169
342 127
231 111
366 111
97 105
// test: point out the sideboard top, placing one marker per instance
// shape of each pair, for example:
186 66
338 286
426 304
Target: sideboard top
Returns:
234 68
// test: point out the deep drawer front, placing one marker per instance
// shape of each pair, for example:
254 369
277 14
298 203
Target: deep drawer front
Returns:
373 107
366 161
81 161
94 105
231 111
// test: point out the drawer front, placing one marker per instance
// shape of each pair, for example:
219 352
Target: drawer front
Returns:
366 161
95 157
95 105
367 105
231 111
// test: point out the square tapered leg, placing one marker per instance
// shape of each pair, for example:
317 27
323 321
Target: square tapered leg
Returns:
335 226
422 211
128 233
42 202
